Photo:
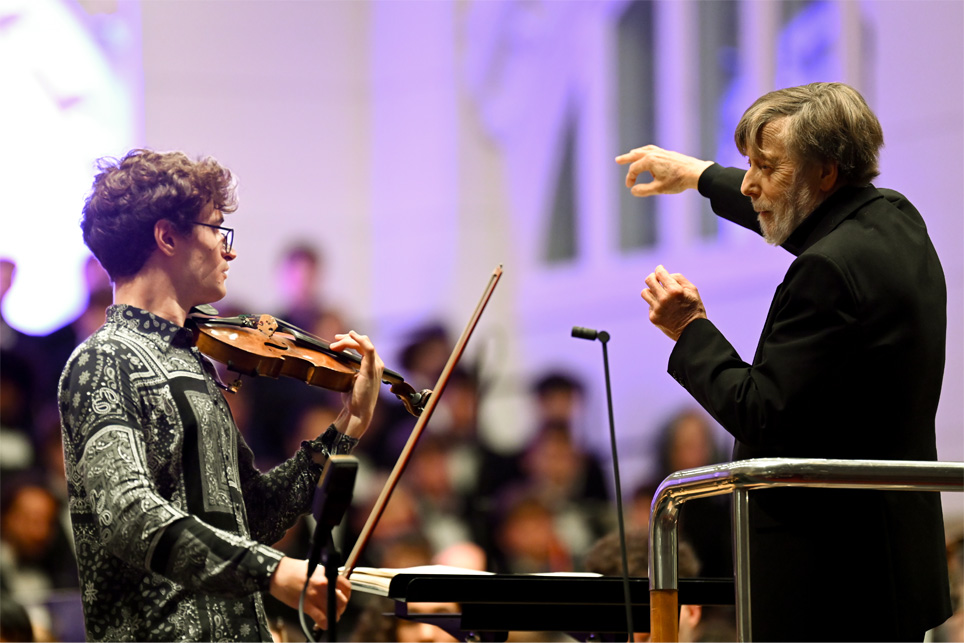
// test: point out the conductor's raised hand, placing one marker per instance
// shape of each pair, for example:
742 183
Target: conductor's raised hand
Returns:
360 401
289 579
673 301
672 172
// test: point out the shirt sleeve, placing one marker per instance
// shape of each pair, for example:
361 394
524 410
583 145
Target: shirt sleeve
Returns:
274 500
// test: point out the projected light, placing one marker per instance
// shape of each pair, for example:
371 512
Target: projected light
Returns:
67 100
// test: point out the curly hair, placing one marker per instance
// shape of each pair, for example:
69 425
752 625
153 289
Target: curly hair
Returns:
825 122
131 195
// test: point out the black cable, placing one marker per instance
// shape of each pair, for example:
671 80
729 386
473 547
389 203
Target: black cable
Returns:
301 609
330 560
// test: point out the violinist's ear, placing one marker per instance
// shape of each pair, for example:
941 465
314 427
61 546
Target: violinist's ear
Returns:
166 236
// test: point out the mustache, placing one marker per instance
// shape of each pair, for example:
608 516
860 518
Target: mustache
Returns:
761 206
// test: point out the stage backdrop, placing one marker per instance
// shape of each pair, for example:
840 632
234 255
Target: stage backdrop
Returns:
420 144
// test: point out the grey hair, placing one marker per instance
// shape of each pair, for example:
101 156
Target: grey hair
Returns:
826 122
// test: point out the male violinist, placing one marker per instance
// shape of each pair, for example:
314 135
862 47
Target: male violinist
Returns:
171 519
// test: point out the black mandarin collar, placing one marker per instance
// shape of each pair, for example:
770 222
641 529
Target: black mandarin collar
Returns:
836 208
162 332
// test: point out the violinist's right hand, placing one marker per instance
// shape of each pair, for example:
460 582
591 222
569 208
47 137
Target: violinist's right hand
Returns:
289 579
360 401
672 172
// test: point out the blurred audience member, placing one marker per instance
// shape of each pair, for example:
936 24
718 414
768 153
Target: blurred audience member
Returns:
605 557
687 441
425 354
466 555
559 397
414 631
527 538
18 382
441 505
638 512
15 623
378 623
399 519
10 337
480 472
36 558
275 405
570 483
560 471
409 549
301 277
17 428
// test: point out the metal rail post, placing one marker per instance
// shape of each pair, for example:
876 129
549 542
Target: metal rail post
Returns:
740 478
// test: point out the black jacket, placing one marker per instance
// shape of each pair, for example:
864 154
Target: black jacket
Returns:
849 365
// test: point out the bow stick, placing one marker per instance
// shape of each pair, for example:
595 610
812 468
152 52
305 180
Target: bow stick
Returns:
423 419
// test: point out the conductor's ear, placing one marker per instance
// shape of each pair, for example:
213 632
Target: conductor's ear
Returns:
828 176
166 236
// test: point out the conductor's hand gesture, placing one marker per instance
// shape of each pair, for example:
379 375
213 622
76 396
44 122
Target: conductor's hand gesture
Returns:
673 301
672 172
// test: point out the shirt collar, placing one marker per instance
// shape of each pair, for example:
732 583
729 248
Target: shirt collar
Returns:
836 208
162 332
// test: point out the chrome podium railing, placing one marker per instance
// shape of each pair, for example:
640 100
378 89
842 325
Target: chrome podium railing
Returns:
739 478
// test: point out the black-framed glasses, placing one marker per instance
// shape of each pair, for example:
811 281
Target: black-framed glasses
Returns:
227 233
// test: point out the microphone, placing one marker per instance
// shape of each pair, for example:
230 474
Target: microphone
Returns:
332 499
590 334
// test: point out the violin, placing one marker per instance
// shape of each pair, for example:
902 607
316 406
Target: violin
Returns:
261 345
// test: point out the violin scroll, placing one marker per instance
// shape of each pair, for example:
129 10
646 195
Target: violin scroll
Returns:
413 401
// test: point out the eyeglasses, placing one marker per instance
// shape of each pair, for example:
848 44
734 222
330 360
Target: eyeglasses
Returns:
227 233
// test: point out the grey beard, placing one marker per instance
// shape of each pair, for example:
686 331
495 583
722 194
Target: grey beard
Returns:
800 203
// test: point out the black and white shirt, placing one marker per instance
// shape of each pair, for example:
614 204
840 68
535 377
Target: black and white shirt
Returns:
171 518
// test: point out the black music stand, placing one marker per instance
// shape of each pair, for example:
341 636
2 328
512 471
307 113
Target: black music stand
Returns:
586 608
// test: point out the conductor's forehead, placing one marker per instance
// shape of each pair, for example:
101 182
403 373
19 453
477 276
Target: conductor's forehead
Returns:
770 141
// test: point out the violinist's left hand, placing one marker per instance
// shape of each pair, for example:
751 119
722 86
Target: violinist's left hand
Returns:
360 401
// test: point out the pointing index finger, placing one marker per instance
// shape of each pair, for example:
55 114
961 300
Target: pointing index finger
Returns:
628 157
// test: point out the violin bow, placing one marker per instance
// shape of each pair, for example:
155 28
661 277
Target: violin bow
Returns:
423 419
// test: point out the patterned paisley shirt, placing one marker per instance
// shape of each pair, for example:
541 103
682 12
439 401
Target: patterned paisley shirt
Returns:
171 518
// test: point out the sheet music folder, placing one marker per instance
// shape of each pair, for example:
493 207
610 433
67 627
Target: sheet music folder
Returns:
586 607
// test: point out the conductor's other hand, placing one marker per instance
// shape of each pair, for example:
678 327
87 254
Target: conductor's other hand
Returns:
672 172
360 401
673 301
289 579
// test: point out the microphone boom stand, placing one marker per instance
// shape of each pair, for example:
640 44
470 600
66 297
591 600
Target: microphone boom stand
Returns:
603 337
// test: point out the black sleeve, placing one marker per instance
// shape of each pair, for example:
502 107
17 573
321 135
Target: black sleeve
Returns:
721 185
770 403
